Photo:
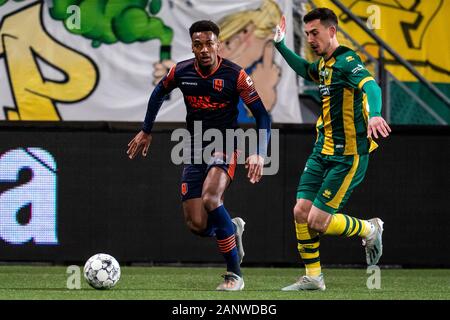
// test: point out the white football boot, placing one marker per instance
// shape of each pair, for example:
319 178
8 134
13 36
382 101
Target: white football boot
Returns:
232 282
307 283
240 224
373 242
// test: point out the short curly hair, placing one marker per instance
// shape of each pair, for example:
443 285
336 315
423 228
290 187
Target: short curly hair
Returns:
204 25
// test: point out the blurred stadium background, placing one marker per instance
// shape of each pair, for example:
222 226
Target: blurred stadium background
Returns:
75 77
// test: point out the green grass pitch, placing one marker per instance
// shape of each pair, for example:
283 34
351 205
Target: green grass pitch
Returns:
183 283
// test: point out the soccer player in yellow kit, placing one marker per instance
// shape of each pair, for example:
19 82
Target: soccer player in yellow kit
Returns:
340 156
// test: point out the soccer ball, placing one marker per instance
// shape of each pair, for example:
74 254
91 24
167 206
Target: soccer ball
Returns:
102 271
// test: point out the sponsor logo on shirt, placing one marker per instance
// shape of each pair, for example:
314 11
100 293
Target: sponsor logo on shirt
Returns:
187 83
204 102
324 90
358 68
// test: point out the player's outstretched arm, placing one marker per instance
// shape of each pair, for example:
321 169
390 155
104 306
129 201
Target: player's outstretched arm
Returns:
297 63
142 141
376 122
250 96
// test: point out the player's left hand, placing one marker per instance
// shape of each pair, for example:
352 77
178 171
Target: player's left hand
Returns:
377 125
254 164
141 142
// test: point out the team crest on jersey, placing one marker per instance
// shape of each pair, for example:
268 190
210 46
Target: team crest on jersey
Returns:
358 68
349 58
325 74
324 90
218 84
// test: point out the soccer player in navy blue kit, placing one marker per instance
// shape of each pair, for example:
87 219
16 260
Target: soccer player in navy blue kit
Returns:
211 88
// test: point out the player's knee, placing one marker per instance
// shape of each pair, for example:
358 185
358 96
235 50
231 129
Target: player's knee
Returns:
210 201
195 227
316 223
301 213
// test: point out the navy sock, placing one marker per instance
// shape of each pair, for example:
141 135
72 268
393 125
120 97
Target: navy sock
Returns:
210 229
225 235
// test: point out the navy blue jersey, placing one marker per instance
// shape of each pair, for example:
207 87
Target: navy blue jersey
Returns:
212 99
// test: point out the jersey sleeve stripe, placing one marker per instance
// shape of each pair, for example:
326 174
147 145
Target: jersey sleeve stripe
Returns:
363 81
246 88
169 80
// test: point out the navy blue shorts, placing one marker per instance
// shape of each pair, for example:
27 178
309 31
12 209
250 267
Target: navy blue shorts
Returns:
195 174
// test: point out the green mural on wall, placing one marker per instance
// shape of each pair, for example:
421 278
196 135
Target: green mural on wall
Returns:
2 2
112 21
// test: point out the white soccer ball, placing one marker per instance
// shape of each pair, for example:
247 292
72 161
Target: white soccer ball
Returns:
102 271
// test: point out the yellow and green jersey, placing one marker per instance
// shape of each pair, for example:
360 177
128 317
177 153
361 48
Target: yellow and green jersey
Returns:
342 126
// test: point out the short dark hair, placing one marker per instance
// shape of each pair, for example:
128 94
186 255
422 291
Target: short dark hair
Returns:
204 25
327 17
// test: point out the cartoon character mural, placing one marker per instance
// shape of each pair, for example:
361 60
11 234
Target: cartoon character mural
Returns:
25 40
109 21
33 94
97 60
246 38
416 29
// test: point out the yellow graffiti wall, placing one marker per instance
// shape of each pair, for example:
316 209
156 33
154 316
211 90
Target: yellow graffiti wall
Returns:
416 29
25 40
